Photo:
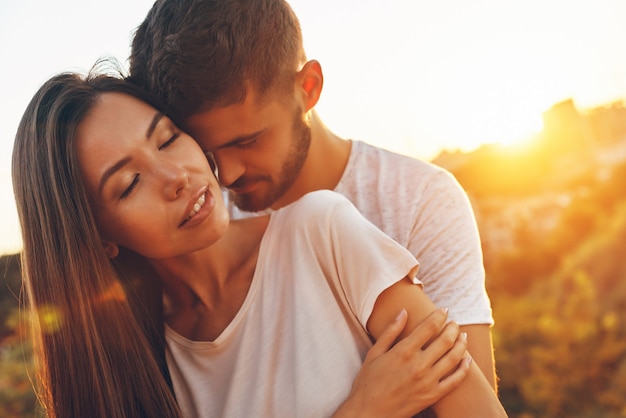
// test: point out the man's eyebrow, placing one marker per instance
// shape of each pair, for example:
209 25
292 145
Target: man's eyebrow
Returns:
121 163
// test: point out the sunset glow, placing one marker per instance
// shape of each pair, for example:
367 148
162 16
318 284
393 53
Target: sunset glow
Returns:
413 77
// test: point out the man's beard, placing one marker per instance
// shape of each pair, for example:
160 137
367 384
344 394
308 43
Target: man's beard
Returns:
289 172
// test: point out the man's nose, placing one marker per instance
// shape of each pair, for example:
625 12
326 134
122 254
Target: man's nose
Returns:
229 166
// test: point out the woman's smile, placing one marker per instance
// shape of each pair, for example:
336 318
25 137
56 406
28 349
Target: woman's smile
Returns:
198 208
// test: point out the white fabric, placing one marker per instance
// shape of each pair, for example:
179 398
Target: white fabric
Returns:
298 341
423 208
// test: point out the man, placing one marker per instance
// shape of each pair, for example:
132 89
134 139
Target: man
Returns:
235 76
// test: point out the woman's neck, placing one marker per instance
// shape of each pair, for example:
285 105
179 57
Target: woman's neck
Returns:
205 289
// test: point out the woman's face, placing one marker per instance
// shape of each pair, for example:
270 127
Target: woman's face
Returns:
151 186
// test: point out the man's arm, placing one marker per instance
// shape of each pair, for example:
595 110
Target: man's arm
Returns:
480 346
402 380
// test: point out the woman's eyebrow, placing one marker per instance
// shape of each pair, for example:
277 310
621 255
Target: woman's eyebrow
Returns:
110 171
155 121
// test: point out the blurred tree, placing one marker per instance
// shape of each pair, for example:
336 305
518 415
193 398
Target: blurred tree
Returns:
17 398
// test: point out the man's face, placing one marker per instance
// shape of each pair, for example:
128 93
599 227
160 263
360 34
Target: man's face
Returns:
259 147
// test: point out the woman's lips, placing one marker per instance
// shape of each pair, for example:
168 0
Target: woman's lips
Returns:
201 205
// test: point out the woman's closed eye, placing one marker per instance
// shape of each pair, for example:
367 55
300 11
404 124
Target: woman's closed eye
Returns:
135 180
131 187
170 141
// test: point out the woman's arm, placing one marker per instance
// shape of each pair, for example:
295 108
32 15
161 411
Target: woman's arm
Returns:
474 397
402 380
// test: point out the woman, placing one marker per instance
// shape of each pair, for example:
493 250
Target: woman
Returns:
100 174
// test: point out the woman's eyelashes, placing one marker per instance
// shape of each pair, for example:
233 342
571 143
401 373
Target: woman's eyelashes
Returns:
130 188
170 141
135 180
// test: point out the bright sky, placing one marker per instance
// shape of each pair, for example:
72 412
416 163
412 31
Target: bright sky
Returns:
413 76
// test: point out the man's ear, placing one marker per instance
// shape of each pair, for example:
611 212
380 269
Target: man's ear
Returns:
311 80
111 249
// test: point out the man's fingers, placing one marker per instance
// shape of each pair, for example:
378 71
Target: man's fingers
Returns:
388 337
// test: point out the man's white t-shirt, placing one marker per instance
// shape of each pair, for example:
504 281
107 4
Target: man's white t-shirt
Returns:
299 339
425 210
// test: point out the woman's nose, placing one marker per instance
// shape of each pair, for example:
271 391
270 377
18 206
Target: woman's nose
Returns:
175 179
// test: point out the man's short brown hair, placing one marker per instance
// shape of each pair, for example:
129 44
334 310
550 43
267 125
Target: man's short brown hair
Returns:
199 54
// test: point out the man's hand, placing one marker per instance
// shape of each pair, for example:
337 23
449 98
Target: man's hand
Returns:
403 379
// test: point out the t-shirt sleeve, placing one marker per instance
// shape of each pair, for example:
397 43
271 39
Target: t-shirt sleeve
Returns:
366 260
446 241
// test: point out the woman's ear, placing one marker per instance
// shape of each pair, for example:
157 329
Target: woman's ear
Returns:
311 80
111 249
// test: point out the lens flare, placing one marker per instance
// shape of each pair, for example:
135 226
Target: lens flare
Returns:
50 319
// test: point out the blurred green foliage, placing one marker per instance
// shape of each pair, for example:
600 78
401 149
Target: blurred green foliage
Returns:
17 398
557 284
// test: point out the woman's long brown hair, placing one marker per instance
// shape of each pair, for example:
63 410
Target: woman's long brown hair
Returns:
97 325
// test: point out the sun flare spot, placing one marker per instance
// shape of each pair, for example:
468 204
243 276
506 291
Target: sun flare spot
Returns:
115 292
50 318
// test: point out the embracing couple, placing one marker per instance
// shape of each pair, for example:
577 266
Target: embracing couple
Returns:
320 284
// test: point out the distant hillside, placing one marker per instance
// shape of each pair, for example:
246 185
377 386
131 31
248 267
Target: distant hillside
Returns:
573 147
553 228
